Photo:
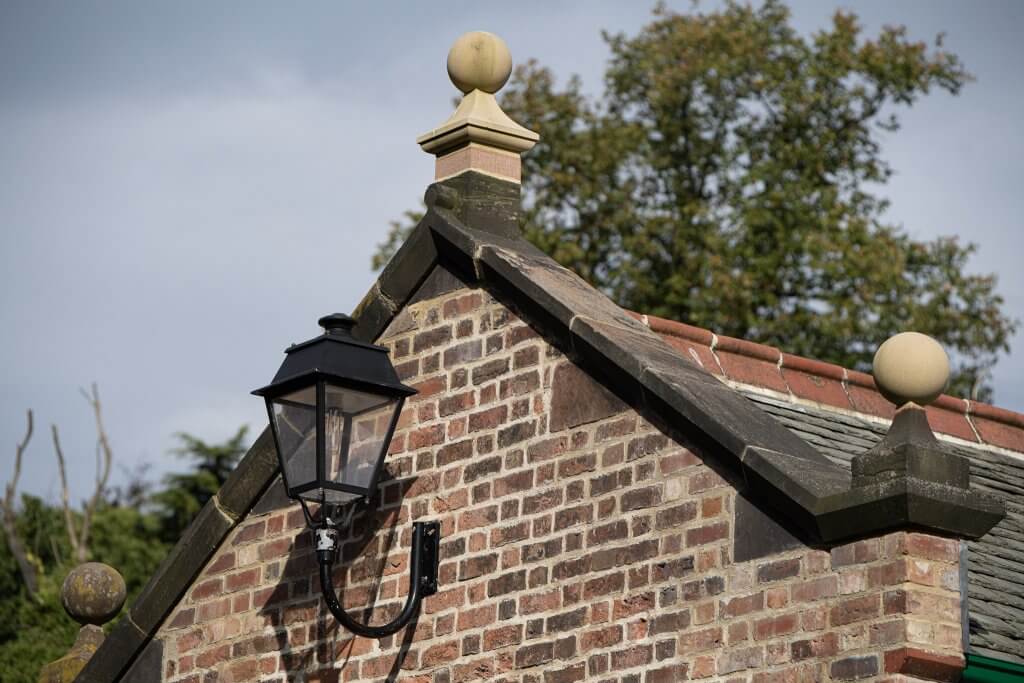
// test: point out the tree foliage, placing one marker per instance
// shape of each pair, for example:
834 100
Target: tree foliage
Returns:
186 494
729 175
132 530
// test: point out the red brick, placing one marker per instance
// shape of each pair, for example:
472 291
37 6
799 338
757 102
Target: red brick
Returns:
209 658
696 641
189 641
250 532
183 618
634 604
736 607
214 610
776 571
855 609
531 603
477 617
207 589
707 534
503 637
572 467
428 388
533 655
667 674
513 483
567 517
601 638
431 338
455 403
222 563
463 305
632 657
435 655
507 583
478 517
425 437
776 626
852 668
246 579
477 566
275 549
510 534
604 585
933 548
825 645
808 591
445 599
571 674
920 663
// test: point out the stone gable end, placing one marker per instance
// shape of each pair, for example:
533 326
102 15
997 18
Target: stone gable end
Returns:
579 542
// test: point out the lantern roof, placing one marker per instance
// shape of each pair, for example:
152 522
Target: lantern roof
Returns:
337 356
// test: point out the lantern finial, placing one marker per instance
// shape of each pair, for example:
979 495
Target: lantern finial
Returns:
337 323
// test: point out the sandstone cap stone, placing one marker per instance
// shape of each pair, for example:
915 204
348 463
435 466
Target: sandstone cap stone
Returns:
911 367
479 136
479 61
93 593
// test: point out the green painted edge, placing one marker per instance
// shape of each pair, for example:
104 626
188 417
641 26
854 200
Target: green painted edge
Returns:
990 670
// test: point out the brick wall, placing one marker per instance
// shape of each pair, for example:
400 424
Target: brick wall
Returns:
578 543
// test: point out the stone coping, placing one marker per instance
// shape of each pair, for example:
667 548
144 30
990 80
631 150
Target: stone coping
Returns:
767 367
773 466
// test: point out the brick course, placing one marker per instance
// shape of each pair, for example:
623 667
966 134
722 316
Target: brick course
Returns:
598 552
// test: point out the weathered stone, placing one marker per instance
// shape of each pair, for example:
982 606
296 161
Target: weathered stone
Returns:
372 315
441 280
174 575
758 534
146 668
93 593
123 644
251 477
910 449
275 497
65 669
577 399
482 201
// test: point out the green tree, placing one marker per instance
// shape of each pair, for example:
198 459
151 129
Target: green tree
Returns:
185 494
132 530
35 630
727 179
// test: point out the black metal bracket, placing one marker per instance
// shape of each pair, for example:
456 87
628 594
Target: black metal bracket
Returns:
431 553
426 539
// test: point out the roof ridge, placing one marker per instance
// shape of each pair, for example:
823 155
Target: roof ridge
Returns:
963 418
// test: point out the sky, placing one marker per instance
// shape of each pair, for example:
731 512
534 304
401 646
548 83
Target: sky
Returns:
186 187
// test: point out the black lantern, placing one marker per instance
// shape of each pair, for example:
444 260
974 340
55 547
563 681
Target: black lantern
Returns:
333 407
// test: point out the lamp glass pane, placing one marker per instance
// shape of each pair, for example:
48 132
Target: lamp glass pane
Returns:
295 425
355 432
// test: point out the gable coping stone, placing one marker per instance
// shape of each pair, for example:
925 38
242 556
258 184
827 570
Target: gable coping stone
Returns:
779 470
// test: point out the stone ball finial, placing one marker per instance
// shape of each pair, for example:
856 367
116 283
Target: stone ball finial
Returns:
93 593
479 60
911 367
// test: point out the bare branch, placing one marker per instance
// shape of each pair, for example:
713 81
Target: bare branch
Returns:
65 495
28 571
104 453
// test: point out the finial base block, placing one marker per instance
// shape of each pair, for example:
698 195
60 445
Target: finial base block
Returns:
482 159
479 136
67 668
910 450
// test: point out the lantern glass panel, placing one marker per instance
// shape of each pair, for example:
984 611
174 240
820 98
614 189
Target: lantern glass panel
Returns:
356 430
295 425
